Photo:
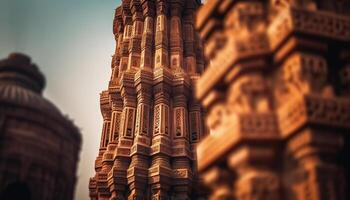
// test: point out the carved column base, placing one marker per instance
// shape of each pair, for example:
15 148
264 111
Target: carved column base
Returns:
102 185
137 181
92 189
117 180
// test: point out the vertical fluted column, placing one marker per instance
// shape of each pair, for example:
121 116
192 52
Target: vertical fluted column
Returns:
176 42
118 175
161 41
115 122
127 21
189 40
138 169
103 164
105 133
116 106
107 158
160 171
135 40
182 155
118 28
195 119
148 7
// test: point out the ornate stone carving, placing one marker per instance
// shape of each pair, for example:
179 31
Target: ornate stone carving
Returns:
276 91
149 153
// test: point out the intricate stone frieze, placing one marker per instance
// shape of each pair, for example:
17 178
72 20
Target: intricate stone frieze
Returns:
275 91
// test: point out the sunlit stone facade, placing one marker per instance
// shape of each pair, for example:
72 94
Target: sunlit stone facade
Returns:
151 121
277 94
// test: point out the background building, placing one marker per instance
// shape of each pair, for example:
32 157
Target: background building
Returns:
277 93
39 146
151 121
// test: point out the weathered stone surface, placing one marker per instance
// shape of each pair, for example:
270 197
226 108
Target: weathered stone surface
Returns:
151 120
277 98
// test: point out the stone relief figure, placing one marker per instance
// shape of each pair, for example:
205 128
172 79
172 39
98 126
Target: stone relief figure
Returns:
303 74
218 118
249 94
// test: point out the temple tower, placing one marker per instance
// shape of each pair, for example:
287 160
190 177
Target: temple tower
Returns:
276 89
151 121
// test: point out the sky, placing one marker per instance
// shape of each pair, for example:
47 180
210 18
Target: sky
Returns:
72 43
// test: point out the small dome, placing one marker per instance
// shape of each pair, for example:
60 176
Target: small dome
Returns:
21 84
17 69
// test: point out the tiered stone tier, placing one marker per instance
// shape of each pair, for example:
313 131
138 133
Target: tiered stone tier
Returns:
151 121
277 94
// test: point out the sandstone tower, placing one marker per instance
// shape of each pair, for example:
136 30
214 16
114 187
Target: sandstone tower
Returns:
151 122
39 147
277 93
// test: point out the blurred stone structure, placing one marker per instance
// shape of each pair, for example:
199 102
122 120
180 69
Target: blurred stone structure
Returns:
39 147
151 122
276 89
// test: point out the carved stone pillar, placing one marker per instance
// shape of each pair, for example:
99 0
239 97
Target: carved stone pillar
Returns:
160 170
138 169
176 42
117 110
189 40
103 162
148 34
196 122
118 174
108 156
136 35
182 155
315 174
161 40
127 34
118 28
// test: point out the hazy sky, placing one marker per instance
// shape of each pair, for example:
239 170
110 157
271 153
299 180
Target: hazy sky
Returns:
72 42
